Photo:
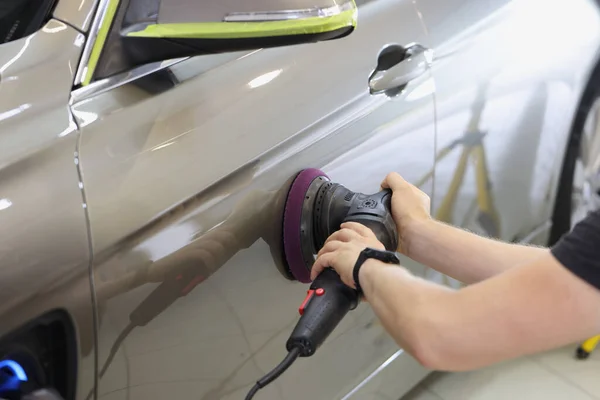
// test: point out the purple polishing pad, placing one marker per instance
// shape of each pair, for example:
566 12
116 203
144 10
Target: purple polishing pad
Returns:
292 216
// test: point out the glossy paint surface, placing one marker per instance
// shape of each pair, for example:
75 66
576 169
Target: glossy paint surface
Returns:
185 171
513 70
44 257
194 178
198 173
78 13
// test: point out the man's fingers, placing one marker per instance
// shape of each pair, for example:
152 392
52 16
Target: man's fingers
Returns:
320 264
344 235
361 229
393 181
329 247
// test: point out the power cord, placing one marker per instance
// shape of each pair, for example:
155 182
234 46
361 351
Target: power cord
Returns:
275 373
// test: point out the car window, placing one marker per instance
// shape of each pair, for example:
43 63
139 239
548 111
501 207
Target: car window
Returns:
20 18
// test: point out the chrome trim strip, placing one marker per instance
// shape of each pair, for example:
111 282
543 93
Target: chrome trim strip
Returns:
111 82
373 374
286 15
91 40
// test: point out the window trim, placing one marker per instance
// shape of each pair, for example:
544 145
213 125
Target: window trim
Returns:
85 85
95 42
112 82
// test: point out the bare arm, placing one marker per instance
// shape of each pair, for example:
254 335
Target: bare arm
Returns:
530 308
457 253
525 301
463 255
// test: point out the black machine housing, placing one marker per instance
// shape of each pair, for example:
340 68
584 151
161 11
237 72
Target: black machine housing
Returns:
327 205
320 207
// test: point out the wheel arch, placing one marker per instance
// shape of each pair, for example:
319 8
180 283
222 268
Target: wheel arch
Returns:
560 219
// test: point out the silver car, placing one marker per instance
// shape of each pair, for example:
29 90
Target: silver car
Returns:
146 147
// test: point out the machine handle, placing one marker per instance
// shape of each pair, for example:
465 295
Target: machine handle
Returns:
328 300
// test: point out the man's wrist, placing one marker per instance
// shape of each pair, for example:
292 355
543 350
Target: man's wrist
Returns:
367 272
410 232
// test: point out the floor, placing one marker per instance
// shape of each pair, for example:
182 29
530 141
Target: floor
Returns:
555 375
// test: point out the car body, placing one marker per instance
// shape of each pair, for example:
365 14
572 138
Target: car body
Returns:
109 189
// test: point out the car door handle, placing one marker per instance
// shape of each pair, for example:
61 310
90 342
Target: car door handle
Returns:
397 66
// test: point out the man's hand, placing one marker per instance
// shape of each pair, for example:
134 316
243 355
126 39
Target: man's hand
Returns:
342 248
409 205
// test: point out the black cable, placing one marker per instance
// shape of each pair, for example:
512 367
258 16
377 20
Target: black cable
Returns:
252 392
275 373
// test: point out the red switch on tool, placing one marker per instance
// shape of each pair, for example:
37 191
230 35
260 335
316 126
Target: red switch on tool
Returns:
304 304
320 292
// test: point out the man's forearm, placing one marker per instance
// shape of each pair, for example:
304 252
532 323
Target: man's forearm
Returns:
530 308
403 304
463 255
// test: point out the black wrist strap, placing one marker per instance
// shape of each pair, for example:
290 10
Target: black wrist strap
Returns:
359 262
384 256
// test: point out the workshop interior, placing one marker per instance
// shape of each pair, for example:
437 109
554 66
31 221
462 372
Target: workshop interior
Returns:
171 169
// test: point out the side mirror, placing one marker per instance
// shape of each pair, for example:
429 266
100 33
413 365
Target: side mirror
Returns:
154 30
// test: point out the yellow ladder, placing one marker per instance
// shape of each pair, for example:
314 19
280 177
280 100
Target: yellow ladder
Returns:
586 348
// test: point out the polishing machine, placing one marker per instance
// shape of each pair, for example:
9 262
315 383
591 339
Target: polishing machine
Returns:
315 208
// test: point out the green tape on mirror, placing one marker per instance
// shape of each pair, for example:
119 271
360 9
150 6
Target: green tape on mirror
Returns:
243 30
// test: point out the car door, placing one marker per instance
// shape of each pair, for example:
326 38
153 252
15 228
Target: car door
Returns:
44 253
508 76
186 165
